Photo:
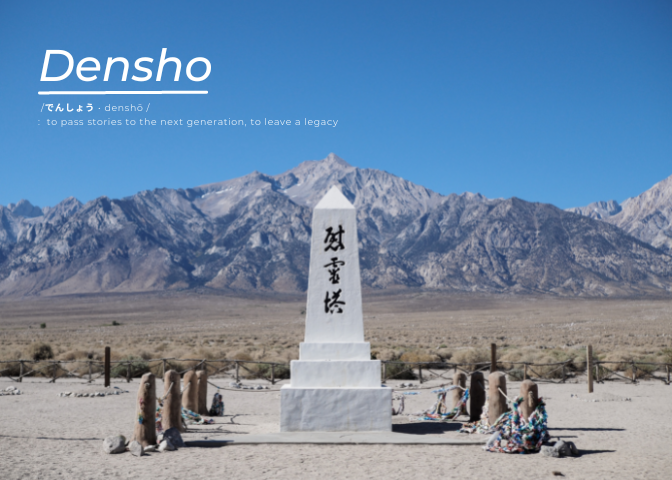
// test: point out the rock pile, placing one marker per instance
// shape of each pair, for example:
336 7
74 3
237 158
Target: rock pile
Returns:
105 393
168 441
10 391
247 387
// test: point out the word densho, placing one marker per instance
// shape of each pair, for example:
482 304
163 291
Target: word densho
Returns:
91 64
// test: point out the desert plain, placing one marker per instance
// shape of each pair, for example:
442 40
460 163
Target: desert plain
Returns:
623 430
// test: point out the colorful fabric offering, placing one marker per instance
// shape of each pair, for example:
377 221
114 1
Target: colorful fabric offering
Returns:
515 435
440 411
188 418
481 426
193 418
511 433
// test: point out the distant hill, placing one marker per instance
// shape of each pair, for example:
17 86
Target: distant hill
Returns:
252 233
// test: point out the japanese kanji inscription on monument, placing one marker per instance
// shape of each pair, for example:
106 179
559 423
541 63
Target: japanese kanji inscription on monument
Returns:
334 241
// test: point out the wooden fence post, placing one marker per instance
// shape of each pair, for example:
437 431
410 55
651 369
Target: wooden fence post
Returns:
128 372
163 363
589 367
237 373
493 357
668 373
107 366
525 371
272 373
90 373
21 371
55 370
420 373
634 372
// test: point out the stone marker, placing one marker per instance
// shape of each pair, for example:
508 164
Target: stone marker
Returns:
560 449
335 386
476 396
166 446
190 391
171 413
530 393
459 379
202 378
135 448
115 444
145 421
174 437
497 401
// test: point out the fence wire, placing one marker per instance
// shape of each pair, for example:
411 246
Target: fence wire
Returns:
272 372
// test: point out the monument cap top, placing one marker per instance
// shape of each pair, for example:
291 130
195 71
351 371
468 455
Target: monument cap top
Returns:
334 199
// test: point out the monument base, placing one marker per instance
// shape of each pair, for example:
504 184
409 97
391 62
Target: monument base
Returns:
335 374
335 409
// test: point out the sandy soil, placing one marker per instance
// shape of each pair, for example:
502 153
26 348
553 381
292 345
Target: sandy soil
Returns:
46 436
188 324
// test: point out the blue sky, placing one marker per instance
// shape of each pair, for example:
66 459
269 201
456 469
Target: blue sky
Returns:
561 102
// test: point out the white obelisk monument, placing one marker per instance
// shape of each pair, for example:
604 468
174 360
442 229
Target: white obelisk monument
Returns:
335 386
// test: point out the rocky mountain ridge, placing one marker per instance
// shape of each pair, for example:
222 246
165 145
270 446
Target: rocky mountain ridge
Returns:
647 216
252 233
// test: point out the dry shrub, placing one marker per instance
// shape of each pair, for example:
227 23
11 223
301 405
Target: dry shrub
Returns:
516 374
200 354
246 370
552 357
642 368
547 371
444 354
137 365
10 369
666 353
385 354
418 357
580 362
536 358
40 351
73 355
471 356
146 355
157 367
263 370
242 355
622 358
399 371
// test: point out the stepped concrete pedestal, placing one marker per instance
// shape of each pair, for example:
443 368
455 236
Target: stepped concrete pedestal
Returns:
335 386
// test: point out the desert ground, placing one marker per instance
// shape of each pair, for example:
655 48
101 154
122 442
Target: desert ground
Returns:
47 436
422 325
